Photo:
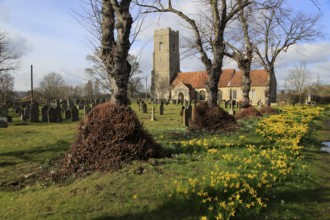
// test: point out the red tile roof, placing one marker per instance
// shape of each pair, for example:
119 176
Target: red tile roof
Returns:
198 79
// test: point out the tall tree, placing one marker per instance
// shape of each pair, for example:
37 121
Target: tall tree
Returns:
9 58
209 41
241 48
6 87
279 28
297 78
53 86
111 24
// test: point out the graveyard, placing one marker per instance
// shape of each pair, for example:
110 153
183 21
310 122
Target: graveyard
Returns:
266 167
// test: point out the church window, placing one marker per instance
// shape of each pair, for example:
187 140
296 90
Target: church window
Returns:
234 94
160 46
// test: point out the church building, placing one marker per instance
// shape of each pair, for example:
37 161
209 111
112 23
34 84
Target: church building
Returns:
168 82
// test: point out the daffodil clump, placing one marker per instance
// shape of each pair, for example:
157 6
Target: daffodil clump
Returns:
240 182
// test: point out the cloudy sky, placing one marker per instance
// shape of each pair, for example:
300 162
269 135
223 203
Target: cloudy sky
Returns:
52 40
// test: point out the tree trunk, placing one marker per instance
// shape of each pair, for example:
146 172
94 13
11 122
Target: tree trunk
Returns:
246 87
116 45
212 87
268 90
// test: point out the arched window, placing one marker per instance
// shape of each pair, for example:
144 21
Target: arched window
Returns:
202 95
234 94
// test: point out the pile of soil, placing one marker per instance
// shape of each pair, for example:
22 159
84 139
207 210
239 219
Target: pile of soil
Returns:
211 118
108 137
248 112
268 110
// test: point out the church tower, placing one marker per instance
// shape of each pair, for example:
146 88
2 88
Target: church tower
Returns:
166 61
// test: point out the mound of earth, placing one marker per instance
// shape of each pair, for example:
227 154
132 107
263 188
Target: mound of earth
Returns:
248 112
211 118
109 136
268 110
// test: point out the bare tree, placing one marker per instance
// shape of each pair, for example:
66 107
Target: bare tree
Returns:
9 58
53 86
241 48
297 78
209 39
110 22
279 28
6 87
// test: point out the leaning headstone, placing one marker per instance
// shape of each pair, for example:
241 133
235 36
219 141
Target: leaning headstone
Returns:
34 113
144 108
74 113
44 113
3 122
52 118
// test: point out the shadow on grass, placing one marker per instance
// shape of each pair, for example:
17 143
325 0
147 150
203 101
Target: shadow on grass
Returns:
38 154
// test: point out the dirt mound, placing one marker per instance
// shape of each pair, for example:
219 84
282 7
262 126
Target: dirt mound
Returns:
268 110
212 118
248 113
108 137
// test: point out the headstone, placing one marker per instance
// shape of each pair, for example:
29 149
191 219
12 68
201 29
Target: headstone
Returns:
26 113
161 109
3 111
34 113
44 113
58 112
64 106
152 117
182 110
185 118
52 118
3 122
74 114
17 110
144 108
67 115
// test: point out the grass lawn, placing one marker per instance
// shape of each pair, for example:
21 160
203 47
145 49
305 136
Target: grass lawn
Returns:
146 190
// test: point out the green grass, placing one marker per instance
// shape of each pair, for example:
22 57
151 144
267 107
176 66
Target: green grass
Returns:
140 190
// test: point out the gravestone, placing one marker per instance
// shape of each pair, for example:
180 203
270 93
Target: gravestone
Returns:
152 117
67 115
185 117
3 122
161 109
3 111
17 110
74 113
26 113
34 113
144 108
182 110
51 113
44 113
58 112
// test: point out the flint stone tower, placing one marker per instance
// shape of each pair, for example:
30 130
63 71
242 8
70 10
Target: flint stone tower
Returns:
166 61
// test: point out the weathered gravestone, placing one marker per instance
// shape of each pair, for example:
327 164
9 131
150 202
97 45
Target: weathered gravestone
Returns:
58 112
44 113
67 115
3 111
64 106
3 122
51 115
152 117
26 113
74 113
161 109
144 107
34 113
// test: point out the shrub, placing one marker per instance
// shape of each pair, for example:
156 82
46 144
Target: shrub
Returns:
211 118
109 136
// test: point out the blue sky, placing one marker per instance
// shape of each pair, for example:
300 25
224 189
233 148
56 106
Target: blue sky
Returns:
52 40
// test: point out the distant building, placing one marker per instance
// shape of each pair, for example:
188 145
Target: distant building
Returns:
169 82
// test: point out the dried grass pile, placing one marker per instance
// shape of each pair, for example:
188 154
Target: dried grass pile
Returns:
108 137
211 118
